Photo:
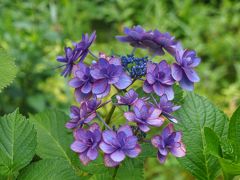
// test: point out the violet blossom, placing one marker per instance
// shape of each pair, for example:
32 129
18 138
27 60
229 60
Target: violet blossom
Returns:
183 71
86 143
107 73
82 82
128 99
84 114
159 79
118 145
168 141
144 115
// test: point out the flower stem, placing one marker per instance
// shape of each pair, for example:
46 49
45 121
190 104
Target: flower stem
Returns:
105 124
133 51
115 172
109 116
93 55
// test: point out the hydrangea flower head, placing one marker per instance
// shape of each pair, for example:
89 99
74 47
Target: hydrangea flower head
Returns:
86 143
183 71
107 73
159 79
118 145
169 141
144 115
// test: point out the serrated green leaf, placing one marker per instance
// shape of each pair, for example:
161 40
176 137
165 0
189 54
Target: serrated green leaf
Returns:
227 148
17 143
53 138
195 114
8 69
147 151
131 169
212 142
178 95
234 134
55 169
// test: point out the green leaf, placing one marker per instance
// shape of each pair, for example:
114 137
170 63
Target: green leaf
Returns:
230 167
17 143
196 113
53 138
178 95
234 134
131 169
45 169
147 151
212 142
8 70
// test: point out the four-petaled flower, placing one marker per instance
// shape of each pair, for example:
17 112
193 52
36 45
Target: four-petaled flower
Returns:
118 145
168 141
129 99
82 82
159 79
183 71
86 143
144 115
84 114
107 73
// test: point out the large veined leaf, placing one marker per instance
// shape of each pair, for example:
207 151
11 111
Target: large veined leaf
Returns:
196 113
53 138
45 169
8 69
234 134
17 143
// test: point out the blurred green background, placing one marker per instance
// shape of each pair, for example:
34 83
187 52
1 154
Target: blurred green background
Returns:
35 32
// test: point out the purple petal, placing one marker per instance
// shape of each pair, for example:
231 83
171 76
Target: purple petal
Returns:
130 116
150 67
126 129
176 72
155 113
90 117
75 83
81 96
195 63
156 141
106 148
109 137
105 93
96 74
130 142
161 158
143 127
84 159
158 89
117 156
150 78
147 87
191 74
61 59
109 162
186 84
94 127
86 88
78 146
133 152
99 86
124 81
167 131
92 154
178 150
156 122
169 92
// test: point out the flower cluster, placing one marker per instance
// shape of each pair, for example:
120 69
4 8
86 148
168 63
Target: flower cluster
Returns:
150 106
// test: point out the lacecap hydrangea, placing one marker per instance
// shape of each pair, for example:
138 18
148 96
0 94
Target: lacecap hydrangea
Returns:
148 106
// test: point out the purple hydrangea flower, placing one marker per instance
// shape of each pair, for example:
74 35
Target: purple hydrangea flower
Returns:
82 82
84 114
86 143
159 79
155 41
167 107
80 51
107 73
70 57
84 44
144 115
129 99
118 145
183 71
169 141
